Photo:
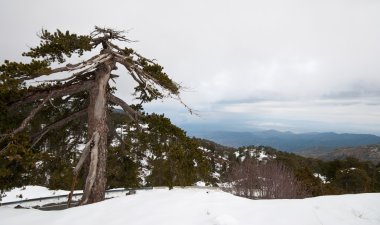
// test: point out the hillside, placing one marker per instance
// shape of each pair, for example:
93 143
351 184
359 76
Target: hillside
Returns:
363 153
319 177
155 152
288 141
202 206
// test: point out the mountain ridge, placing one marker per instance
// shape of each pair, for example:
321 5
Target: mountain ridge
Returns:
289 141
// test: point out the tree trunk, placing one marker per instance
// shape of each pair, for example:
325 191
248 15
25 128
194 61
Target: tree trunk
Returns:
95 185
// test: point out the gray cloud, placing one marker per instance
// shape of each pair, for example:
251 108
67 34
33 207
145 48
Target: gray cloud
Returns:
298 64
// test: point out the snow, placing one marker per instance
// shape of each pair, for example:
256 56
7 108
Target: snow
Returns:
321 177
262 156
195 163
348 170
207 206
30 192
216 175
144 162
36 192
204 149
143 174
200 184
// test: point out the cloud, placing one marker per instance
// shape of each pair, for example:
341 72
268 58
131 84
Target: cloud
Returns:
271 62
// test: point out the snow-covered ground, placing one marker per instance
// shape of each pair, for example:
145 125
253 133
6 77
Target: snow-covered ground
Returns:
210 207
16 195
30 192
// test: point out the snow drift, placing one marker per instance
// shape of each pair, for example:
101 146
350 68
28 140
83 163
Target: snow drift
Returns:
202 206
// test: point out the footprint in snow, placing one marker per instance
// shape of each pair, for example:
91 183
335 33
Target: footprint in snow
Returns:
225 220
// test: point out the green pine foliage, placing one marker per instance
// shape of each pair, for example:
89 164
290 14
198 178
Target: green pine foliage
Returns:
16 162
157 73
55 46
22 71
352 180
176 160
122 170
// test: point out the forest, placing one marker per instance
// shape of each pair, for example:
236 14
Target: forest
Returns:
155 152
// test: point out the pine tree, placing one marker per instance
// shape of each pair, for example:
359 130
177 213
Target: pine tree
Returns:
82 97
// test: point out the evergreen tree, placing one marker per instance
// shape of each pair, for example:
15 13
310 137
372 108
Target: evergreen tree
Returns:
30 113
352 180
176 158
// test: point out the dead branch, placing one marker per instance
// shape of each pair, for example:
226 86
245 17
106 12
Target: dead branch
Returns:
92 62
26 121
191 111
37 137
139 75
78 167
69 198
72 67
85 152
102 35
92 168
55 93
132 114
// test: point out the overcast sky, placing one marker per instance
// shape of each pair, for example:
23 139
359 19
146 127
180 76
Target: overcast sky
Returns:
293 65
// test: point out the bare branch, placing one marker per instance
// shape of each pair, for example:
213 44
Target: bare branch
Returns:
145 79
114 76
136 71
132 114
78 167
191 111
114 46
55 93
92 169
31 115
92 62
72 67
84 155
138 74
102 35
123 60
69 198
37 137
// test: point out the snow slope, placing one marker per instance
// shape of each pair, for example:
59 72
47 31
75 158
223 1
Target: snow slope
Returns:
209 207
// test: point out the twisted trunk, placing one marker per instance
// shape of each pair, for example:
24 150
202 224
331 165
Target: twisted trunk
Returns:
95 184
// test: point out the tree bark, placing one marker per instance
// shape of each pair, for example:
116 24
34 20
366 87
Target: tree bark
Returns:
94 190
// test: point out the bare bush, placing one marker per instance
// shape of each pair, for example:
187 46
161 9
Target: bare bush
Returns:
266 179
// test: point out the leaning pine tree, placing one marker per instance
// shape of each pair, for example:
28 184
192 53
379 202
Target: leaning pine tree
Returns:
84 91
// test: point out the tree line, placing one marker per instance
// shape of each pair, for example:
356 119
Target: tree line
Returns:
287 175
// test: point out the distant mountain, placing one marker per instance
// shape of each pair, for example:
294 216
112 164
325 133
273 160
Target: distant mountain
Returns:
363 153
288 141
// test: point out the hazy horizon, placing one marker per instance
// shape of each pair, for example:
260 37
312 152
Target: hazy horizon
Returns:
197 129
